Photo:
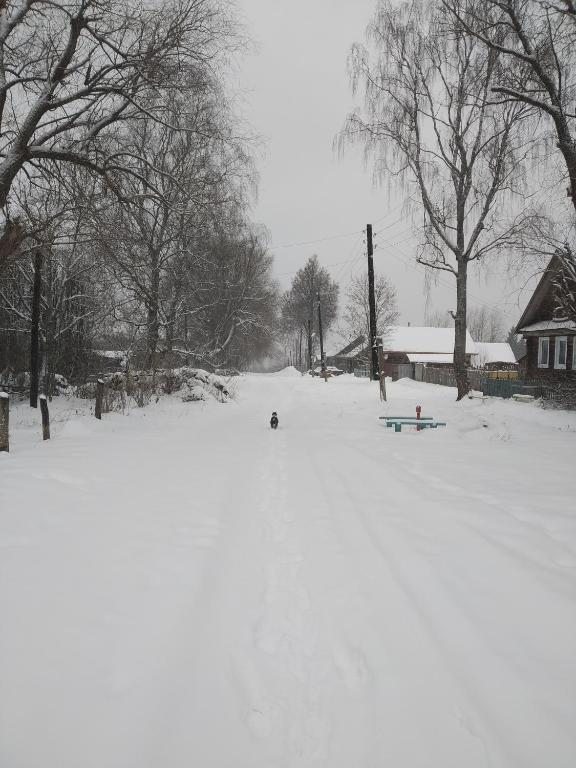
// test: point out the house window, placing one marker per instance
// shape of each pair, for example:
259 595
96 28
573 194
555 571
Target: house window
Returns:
560 352
543 351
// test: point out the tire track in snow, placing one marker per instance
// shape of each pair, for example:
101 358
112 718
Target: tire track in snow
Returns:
397 671
471 645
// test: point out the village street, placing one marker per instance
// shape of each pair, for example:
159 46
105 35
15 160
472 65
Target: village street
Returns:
182 586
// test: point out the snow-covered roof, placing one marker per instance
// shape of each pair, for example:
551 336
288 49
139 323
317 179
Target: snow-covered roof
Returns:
494 352
427 358
110 353
414 339
352 349
549 325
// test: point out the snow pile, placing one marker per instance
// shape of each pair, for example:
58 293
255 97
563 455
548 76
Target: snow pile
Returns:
196 384
289 372
191 383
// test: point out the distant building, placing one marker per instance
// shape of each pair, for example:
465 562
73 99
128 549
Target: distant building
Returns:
351 356
404 347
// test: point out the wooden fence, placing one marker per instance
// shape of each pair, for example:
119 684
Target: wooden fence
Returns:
503 384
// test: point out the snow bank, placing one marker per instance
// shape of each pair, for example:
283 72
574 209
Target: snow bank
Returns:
288 372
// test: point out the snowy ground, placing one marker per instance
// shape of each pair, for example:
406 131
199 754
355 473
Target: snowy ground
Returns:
182 587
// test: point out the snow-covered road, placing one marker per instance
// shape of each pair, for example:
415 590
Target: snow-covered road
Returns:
184 587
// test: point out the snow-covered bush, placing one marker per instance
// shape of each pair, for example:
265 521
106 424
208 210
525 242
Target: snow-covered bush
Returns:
196 380
192 392
192 384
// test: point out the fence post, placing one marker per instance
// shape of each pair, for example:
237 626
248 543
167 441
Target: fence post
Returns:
99 397
45 418
4 414
381 362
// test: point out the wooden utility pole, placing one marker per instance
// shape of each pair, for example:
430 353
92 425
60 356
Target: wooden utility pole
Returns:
372 304
45 418
322 360
4 422
99 398
35 330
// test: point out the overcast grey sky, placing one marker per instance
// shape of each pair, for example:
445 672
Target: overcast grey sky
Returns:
297 97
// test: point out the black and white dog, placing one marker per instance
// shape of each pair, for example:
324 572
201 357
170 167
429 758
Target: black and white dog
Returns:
274 420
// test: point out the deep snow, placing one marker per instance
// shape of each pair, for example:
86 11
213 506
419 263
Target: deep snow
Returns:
183 587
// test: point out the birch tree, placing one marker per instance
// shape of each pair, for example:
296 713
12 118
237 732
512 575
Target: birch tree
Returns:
536 41
428 119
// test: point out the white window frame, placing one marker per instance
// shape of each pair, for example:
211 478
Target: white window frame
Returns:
542 339
557 364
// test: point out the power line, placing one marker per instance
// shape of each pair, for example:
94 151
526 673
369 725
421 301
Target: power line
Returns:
319 240
338 237
414 265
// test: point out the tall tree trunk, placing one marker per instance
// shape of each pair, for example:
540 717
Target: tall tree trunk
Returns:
567 146
309 332
49 345
460 368
152 334
153 323
35 330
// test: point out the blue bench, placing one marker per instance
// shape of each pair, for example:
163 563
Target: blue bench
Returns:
409 421
406 418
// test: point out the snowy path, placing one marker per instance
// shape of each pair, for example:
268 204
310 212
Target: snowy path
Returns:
184 587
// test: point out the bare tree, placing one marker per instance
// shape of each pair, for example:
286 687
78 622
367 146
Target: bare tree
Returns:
428 118
229 308
196 166
356 318
299 304
536 39
72 71
438 319
486 324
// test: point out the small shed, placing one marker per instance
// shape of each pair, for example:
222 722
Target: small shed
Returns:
495 356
